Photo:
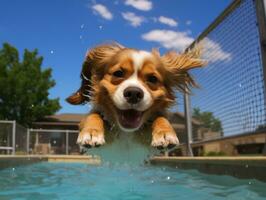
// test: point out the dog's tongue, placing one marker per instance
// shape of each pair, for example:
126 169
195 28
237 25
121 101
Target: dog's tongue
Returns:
130 118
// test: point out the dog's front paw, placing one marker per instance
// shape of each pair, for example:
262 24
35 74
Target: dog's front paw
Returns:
91 138
163 139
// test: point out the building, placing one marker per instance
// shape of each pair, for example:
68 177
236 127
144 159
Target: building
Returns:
51 132
49 136
66 121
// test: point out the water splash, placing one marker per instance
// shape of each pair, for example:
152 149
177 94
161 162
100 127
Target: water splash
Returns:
124 150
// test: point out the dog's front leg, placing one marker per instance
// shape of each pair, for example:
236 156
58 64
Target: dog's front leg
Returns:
91 131
163 134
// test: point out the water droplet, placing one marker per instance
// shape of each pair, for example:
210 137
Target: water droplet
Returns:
100 27
152 181
246 166
168 177
80 37
240 85
13 169
52 52
249 182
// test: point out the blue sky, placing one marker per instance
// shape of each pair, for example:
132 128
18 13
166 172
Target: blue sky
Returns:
63 30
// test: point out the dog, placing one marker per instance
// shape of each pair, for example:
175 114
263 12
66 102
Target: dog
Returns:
129 88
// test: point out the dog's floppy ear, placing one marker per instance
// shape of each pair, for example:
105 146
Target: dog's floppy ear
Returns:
94 62
178 65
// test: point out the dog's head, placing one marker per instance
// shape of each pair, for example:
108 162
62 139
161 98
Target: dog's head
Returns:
131 85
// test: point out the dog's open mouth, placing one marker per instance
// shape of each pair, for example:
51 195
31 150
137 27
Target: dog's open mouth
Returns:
130 119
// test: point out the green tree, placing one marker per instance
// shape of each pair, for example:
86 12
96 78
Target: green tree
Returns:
208 120
24 86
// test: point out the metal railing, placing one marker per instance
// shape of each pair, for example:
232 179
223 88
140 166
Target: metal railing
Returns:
51 141
7 136
16 139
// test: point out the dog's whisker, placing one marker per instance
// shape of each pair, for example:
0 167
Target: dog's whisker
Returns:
85 95
89 91
85 77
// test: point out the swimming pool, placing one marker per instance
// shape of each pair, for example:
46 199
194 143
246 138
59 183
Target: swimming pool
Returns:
122 175
111 181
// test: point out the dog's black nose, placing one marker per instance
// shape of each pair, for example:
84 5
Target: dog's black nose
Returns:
133 95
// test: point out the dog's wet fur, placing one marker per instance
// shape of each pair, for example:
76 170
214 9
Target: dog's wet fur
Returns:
130 89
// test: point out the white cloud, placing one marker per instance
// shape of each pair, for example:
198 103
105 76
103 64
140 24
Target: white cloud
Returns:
212 51
169 39
144 5
188 22
102 11
133 19
167 21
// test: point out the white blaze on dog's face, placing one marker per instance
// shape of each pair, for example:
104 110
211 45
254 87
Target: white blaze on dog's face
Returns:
134 85
134 82
131 97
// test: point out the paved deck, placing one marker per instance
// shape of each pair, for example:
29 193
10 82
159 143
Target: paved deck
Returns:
17 160
241 167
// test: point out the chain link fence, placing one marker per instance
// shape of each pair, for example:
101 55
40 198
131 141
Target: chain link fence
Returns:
230 102
231 98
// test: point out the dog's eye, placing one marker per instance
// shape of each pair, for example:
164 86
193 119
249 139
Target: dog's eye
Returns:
152 79
119 73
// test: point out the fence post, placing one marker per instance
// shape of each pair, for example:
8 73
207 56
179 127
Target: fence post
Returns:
67 142
28 141
188 123
261 18
14 138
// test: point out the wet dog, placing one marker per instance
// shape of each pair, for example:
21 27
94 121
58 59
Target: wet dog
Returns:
129 88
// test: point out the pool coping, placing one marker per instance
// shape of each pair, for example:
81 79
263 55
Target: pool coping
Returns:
246 167
18 160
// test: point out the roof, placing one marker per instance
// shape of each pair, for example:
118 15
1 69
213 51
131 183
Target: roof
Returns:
182 115
75 118
65 117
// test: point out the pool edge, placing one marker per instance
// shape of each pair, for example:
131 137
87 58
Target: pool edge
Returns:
240 167
18 160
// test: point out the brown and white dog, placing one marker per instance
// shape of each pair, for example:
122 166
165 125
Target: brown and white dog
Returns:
130 87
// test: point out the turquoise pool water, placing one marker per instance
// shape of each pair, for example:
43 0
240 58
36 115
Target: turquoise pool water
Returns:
109 181
121 176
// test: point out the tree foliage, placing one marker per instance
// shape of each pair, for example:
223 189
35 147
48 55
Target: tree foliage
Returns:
207 119
24 86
